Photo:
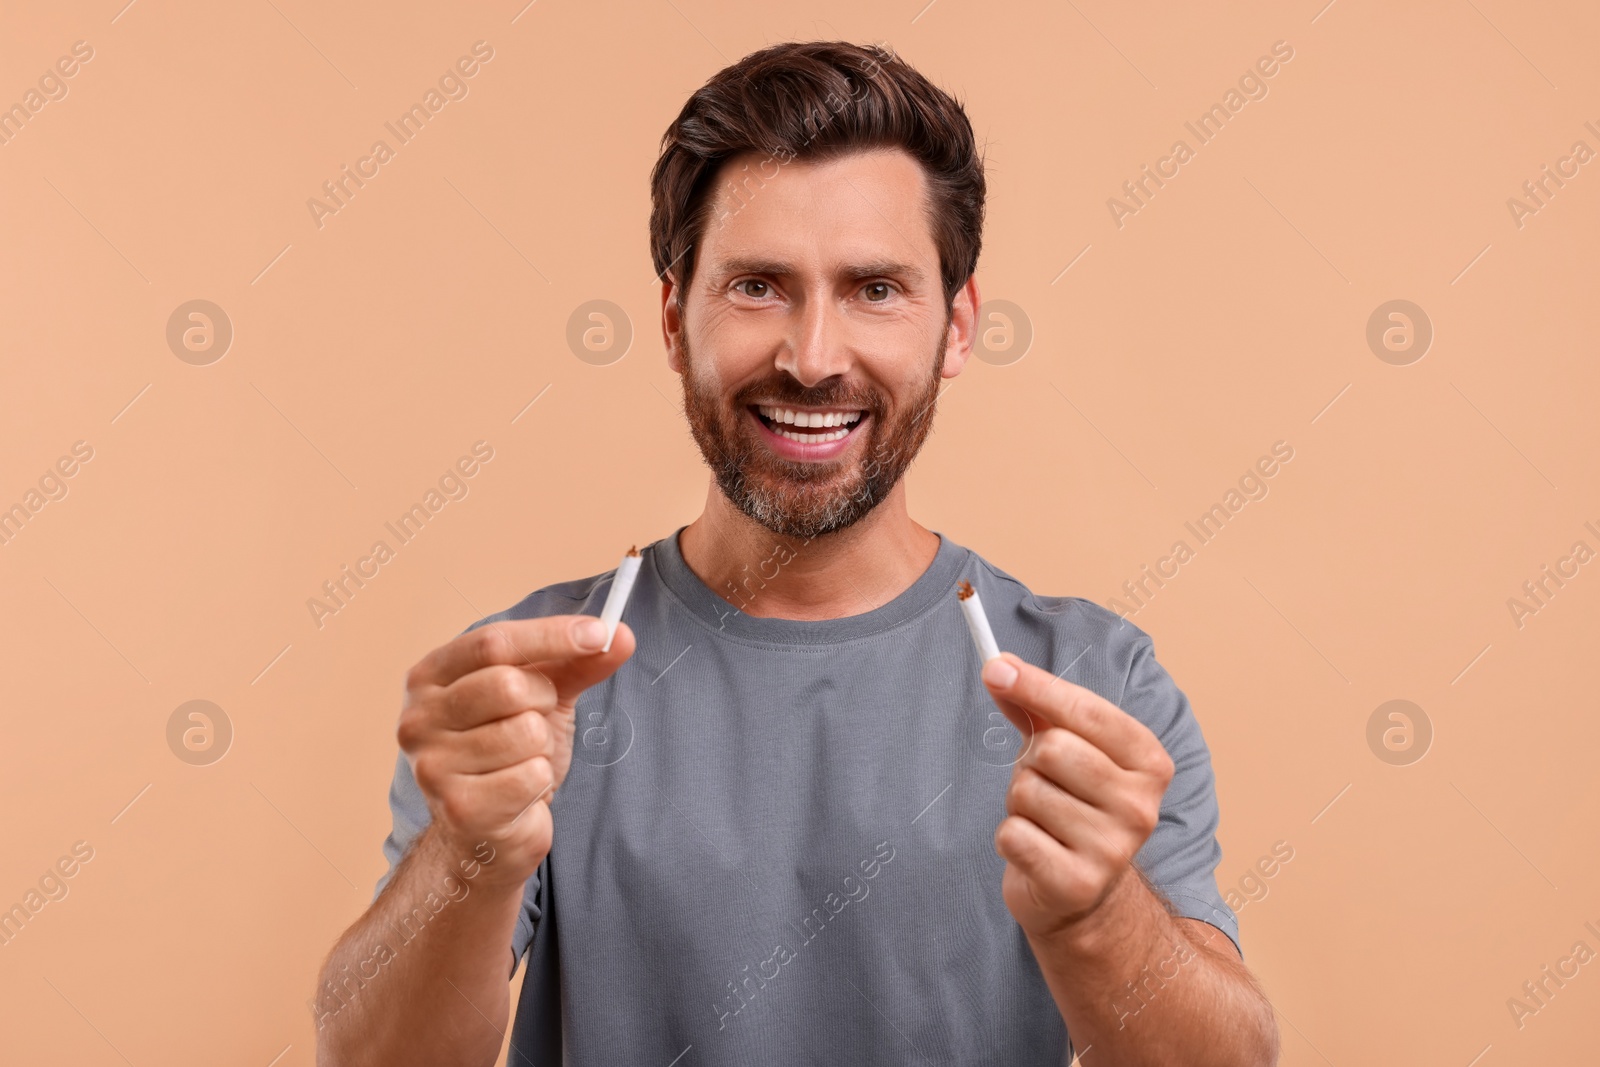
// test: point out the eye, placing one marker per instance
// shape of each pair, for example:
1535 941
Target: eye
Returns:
873 287
740 287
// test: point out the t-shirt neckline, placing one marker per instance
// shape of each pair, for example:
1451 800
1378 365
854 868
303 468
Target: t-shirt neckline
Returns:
937 581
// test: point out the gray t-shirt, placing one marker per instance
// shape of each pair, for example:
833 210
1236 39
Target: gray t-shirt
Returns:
776 841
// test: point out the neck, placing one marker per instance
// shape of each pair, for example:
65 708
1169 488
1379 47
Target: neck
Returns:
845 573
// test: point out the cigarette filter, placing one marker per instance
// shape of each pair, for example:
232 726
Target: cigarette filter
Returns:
617 599
977 621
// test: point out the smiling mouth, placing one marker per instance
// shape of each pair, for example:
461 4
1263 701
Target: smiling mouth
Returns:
808 425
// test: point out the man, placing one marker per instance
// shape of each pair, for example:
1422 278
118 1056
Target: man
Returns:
788 817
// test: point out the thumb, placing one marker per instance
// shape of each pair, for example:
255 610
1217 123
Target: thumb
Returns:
572 675
1023 718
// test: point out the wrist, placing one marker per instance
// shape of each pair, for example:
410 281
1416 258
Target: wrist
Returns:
1103 929
479 862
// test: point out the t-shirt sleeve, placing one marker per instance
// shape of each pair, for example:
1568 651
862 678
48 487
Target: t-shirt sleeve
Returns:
1181 855
408 813
408 810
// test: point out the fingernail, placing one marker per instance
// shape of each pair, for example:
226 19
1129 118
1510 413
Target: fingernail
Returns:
590 634
999 673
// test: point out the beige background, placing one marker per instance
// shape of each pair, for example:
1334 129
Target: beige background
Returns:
1229 313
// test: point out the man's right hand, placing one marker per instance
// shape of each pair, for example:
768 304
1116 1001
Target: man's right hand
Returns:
487 726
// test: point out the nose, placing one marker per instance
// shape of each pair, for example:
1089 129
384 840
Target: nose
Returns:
815 347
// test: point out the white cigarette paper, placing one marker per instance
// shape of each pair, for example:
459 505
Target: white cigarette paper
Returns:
977 621
617 599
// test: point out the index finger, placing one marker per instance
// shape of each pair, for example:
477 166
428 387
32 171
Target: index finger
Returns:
515 642
1057 702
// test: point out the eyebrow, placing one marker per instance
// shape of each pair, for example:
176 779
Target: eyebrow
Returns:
877 268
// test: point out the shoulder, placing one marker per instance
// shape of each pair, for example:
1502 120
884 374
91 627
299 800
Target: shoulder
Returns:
1065 625
1072 637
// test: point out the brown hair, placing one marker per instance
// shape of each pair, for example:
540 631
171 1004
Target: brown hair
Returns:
817 100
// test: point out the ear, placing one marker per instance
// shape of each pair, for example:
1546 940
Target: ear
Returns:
671 322
963 328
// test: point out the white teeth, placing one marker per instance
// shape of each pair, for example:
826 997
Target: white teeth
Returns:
809 418
812 438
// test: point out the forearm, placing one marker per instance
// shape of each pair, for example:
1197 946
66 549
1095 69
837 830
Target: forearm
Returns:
423 976
1136 987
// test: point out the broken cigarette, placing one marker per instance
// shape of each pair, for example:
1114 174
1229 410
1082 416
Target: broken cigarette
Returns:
617 599
977 621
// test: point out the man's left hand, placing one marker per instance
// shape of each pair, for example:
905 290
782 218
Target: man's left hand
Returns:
1084 796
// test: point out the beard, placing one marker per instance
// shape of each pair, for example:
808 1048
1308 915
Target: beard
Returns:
806 500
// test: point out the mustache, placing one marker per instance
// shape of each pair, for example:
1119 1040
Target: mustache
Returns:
832 393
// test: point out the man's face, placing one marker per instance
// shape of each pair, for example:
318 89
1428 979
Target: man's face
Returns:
814 336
